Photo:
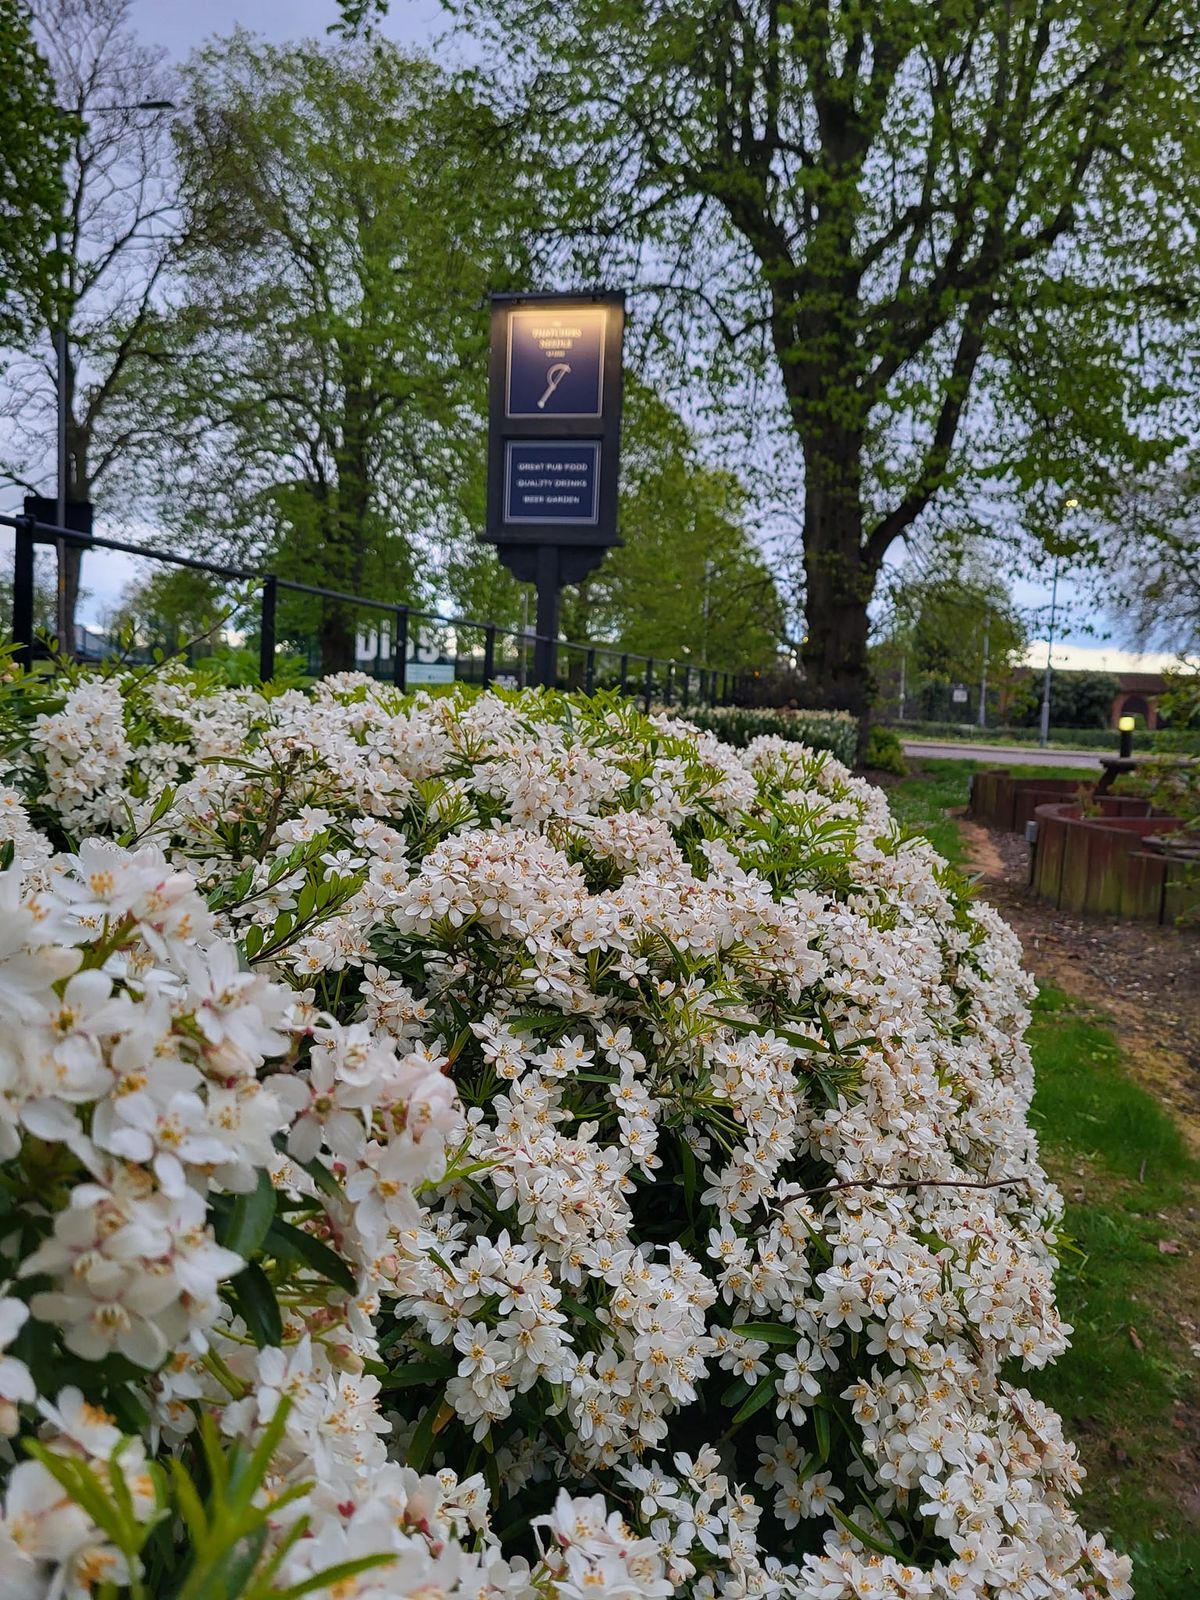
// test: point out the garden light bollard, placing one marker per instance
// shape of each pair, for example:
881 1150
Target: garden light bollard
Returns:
1125 726
266 629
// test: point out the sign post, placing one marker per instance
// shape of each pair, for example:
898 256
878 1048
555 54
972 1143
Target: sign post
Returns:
554 444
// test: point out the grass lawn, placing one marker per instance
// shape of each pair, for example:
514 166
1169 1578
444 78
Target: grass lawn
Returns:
921 801
1120 1160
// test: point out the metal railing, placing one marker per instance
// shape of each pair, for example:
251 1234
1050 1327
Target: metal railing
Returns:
638 674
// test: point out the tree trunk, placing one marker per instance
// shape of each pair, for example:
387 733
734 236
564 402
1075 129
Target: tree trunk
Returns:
351 517
839 577
336 635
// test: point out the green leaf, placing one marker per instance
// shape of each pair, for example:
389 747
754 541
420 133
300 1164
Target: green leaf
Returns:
331 1575
250 1217
767 1332
190 1506
821 1426
84 1487
420 1446
285 1242
234 1572
323 1178
576 1308
734 1392
882 1546
761 1396
418 1372
690 1175
255 1299
253 940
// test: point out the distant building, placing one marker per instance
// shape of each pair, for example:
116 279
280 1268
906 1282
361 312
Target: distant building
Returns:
1139 696
1139 673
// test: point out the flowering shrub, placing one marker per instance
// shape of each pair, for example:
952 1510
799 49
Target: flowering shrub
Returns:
835 731
506 1146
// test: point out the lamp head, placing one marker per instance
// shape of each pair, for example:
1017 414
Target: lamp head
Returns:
1126 724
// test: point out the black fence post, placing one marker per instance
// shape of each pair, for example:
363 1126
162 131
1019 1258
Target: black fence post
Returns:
22 620
589 672
489 654
624 673
400 649
685 687
266 628
669 684
648 692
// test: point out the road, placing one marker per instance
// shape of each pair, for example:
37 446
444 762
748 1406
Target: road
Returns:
1002 755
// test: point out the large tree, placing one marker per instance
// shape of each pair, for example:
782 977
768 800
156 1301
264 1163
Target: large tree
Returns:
321 375
118 231
961 237
33 146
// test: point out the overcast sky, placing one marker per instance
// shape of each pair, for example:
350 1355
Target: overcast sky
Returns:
180 25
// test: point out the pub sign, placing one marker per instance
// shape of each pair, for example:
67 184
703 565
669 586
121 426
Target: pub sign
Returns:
554 420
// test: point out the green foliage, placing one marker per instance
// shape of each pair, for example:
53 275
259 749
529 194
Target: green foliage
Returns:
959 239
1129 1167
347 210
1078 700
885 751
819 730
33 147
688 580
1179 708
1171 781
1119 1155
207 1536
172 606
943 630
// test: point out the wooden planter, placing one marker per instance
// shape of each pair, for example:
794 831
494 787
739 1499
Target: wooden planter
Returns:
1100 866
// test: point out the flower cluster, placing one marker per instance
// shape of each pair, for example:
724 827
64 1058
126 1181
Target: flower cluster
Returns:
600 1155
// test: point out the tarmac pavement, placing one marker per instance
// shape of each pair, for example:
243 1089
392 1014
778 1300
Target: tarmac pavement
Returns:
1002 755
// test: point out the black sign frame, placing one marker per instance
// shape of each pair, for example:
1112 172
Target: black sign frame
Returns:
550 426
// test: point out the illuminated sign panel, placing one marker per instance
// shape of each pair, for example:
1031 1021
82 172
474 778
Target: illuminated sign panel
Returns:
555 362
552 480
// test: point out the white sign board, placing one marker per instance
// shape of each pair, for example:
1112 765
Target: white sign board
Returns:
429 672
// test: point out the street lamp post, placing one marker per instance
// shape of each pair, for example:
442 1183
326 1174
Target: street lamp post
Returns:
987 621
61 618
1044 731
